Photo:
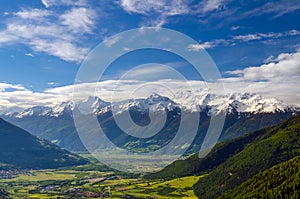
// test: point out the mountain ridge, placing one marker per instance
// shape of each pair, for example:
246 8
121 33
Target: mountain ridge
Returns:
241 102
20 149
56 124
277 144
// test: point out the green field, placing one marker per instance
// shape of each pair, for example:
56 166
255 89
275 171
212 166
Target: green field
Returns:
132 188
90 183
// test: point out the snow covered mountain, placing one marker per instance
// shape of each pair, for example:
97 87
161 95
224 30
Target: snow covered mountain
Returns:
154 102
240 102
245 113
199 101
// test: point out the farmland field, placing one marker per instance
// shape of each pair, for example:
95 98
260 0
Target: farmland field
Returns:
88 183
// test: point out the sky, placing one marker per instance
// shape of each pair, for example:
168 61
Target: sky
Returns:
254 44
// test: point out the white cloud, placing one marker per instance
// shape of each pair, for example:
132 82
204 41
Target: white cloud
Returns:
151 72
60 48
29 54
79 19
145 7
35 14
278 78
233 28
210 5
259 36
44 2
109 42
52 83
50 39
12 96
171 8
248 37
56 34
243 38
50 3
207 45
6 38
277 8
163 8
294 32
198 47
283 67
5 86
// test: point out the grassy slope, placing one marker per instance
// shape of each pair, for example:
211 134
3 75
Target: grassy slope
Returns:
282 180
194 165
20 149
275 145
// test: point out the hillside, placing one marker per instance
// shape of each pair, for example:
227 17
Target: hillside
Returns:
282 180
20 149
194 165
275 145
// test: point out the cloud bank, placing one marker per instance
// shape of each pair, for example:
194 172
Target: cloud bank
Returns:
279 78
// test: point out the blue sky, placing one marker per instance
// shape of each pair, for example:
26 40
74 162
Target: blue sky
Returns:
42 43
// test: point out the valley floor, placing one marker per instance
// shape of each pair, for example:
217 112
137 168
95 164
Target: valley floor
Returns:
78 183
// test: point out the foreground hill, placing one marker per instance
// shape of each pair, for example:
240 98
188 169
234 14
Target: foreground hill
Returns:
19 149
194 165
282 180
276 145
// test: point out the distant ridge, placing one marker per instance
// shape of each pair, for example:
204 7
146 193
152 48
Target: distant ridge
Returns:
245 113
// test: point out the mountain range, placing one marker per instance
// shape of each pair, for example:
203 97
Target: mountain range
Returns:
245 113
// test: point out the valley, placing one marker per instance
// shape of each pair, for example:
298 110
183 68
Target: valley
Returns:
262 163
68 183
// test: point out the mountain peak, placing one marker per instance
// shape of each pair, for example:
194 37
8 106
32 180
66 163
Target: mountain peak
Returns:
34 111
93 104
156 98
240 102
199 100
64 107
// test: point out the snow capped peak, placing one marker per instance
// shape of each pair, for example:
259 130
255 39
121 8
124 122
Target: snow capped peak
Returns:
93 99
200 100
92 105
154 102
248 102
157 99
10 111
34 111
64 107
239 102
